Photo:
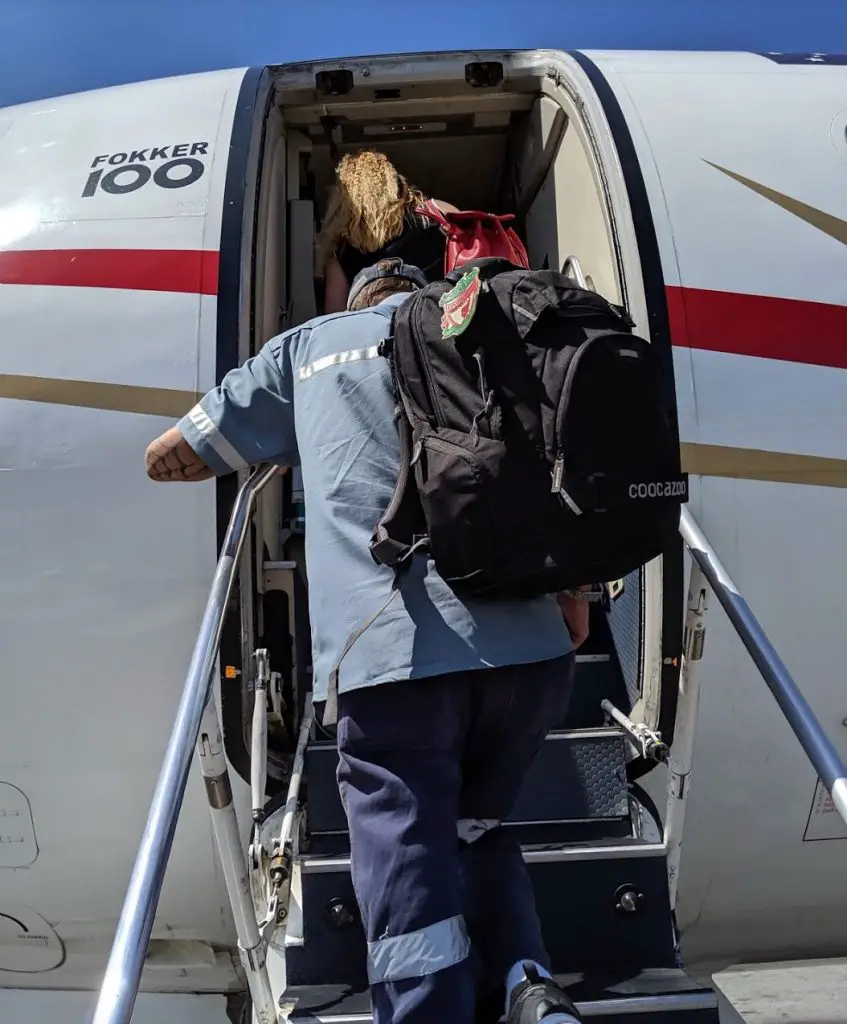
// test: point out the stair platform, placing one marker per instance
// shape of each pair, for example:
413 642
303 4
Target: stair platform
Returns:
659 996
578 776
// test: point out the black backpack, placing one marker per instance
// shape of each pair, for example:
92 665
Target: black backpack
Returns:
539 453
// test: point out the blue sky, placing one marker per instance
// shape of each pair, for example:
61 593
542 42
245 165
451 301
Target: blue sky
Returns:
49 47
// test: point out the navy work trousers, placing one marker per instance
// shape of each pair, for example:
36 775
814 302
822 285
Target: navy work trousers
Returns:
422 762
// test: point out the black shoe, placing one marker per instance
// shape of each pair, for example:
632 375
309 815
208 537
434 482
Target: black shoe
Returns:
537 998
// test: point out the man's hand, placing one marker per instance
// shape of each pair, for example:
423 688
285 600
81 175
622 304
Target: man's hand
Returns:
171 458
575 613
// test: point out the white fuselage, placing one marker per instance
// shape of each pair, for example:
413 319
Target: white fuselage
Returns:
112 322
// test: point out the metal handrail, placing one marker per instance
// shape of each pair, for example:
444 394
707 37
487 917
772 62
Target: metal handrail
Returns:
122 979
129 950
573 268
818 747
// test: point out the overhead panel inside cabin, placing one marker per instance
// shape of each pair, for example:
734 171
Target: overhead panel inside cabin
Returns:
458 157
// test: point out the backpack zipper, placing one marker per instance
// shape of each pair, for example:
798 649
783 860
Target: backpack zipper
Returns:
558 471
434 441
601 308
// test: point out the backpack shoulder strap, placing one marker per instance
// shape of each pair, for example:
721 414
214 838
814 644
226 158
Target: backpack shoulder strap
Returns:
394 538
396 535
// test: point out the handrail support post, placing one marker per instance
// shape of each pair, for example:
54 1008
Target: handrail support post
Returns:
682 749
251 944
122 979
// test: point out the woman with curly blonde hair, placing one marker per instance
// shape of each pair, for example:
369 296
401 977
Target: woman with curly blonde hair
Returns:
370 217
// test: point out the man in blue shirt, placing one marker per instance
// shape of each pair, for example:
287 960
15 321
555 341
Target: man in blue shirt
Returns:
441 703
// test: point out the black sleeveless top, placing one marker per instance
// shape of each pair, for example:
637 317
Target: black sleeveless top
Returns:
421 245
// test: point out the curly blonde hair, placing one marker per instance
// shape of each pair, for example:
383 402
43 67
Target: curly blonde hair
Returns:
368 205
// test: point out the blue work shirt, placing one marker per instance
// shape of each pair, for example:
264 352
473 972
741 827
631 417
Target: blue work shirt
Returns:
320 397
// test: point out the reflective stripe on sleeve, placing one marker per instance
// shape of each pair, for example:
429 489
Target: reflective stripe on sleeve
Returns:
215 439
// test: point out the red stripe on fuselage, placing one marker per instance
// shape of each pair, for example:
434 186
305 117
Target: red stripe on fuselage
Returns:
764 326
193 271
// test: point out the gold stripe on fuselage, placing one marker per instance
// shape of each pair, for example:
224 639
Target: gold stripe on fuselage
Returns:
755 464
829 224
90 394
698 459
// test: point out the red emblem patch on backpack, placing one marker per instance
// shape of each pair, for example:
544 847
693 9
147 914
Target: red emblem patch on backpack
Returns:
459 304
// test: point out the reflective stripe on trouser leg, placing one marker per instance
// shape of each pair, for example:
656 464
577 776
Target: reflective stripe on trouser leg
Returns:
400 772
471 829
418 953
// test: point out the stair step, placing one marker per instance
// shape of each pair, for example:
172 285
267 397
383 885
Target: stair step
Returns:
577 894
554 835
666 996
598 677
578 776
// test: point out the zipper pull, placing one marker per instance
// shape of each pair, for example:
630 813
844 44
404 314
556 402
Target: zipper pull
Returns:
558 474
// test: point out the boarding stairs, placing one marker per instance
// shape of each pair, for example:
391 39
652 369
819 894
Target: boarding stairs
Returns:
604 862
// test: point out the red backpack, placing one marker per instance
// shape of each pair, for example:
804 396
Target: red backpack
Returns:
473 235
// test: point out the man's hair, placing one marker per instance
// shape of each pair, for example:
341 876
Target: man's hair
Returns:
374 292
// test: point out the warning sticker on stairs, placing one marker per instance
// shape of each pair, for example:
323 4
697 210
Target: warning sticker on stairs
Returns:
824 821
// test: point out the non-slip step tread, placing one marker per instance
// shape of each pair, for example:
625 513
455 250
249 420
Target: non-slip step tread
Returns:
577 776
598 676
659 991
